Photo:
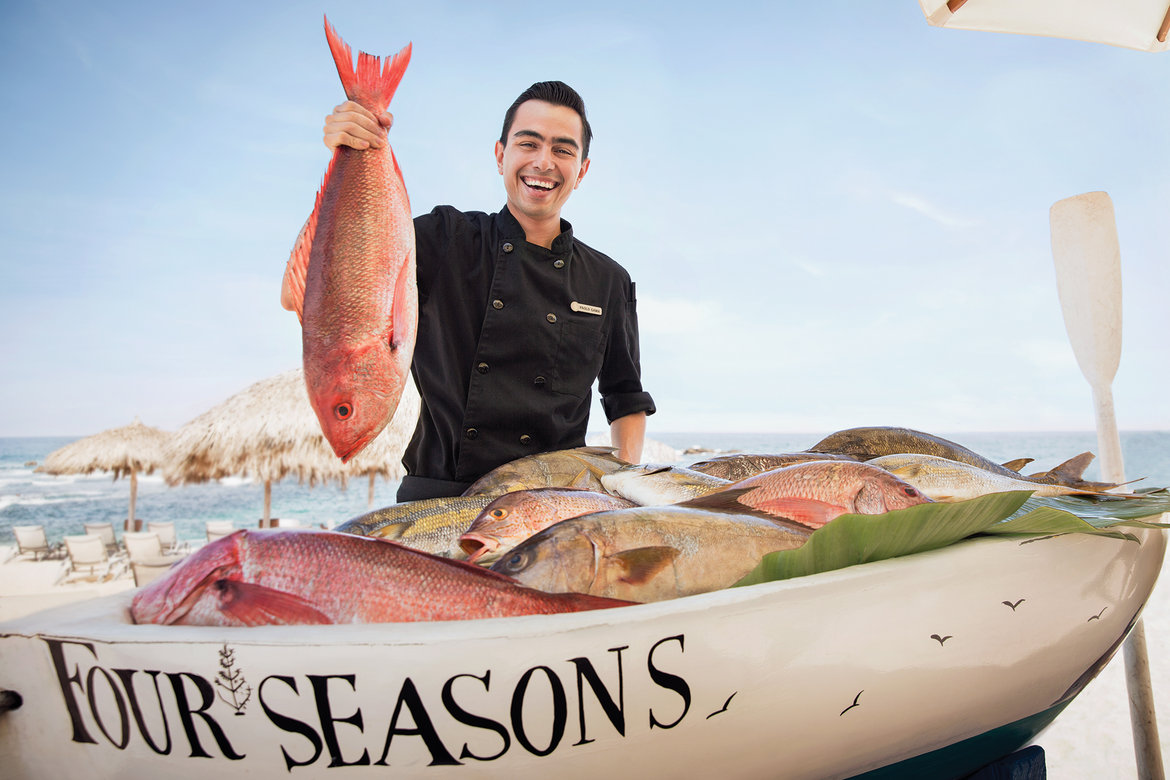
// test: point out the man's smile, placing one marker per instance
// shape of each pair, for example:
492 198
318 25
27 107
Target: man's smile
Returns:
540 183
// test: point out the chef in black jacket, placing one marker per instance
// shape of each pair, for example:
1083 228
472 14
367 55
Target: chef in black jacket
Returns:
517 317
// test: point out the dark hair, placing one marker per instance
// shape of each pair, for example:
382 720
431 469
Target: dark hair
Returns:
559 94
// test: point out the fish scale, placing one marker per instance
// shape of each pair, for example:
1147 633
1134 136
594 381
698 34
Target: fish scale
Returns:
301 576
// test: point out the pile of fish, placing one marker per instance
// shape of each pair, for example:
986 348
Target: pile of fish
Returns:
579 529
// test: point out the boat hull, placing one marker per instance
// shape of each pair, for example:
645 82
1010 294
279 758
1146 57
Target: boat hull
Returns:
831 675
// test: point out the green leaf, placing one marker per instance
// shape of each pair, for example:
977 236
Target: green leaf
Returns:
852 539
1048 521
1104 512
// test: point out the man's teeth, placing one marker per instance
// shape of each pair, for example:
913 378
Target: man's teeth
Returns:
544 185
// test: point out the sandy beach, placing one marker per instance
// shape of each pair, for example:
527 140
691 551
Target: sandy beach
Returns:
1089 741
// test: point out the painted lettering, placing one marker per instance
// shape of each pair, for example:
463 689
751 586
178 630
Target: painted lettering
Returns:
91 694
615 712
560 711
671 681
127 678
67 681
207 694
320 685
475 721
423 727
291 725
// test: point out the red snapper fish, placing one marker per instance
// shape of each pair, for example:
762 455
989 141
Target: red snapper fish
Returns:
351 277
301 577
815 492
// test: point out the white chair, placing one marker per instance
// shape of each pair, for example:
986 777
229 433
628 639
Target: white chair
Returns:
32 539
88 551
166 535
105 531
217 529
148 562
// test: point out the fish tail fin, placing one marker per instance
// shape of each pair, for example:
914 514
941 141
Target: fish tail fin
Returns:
371 82
1073 468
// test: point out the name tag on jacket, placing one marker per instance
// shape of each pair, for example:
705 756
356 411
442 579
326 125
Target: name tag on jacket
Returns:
585 308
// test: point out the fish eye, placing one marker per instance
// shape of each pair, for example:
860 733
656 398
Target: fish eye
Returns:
498 513
912 492
343 411
517 562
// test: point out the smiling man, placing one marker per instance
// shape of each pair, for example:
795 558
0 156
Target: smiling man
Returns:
517 317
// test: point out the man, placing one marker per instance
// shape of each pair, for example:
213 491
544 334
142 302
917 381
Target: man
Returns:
517 317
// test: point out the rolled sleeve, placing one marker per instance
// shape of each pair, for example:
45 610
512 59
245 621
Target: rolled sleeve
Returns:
620 380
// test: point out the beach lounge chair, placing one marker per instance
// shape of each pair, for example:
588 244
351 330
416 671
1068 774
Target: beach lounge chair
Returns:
148 562
106 532
32 539
88 553
166 535
217 529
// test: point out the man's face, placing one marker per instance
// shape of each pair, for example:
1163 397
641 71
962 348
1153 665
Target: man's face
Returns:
541 159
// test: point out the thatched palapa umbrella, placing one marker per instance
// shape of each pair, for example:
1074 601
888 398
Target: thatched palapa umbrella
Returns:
128 450
269 431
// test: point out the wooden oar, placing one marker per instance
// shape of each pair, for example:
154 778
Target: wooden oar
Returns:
1088 282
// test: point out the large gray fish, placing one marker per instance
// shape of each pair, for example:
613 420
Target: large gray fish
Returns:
949 480
580 467
432 525
651 485
647 553
868 443
747 464
513 517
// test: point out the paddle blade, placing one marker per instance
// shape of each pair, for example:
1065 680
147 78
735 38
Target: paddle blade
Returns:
1088 281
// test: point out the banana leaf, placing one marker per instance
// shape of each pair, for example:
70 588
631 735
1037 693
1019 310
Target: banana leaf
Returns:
852 539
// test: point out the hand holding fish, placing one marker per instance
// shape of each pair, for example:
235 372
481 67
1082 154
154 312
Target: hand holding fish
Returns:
352 124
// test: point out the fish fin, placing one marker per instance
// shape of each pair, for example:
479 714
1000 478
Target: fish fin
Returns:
1072 469
726 500
296 271
371 80
399 311
582 481
644 563
398 173
806 511
1017 464
257 605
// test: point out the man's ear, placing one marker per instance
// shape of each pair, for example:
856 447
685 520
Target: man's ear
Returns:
580 174
500 157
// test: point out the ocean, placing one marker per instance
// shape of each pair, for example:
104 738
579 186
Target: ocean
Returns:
62 504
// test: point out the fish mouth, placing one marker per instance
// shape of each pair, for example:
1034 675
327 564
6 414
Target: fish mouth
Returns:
480 548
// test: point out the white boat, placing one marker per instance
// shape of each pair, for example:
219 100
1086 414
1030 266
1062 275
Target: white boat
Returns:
932 664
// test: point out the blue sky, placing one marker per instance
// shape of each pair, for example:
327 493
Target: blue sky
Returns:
836 214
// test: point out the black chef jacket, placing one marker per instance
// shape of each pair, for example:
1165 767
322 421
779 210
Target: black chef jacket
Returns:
511 337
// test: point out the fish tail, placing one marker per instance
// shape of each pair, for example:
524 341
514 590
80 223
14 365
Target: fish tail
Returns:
371 82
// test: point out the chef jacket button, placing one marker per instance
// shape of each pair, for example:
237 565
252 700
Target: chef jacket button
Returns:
482 368
538 381
558 264
551 317
471 433
525 439
508 247
497 304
